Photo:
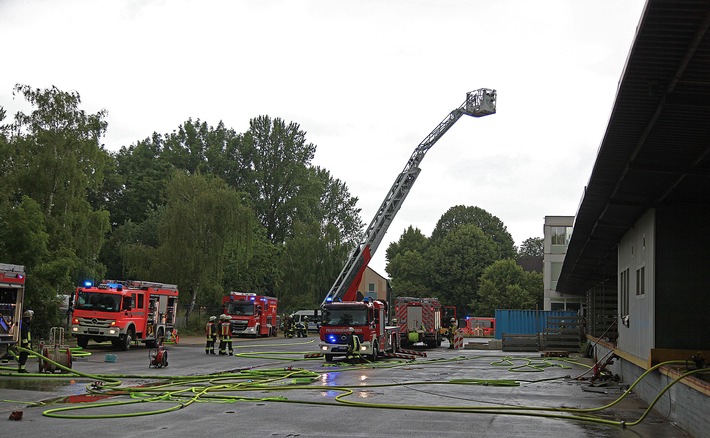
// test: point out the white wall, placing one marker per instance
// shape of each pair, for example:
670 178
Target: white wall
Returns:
636 251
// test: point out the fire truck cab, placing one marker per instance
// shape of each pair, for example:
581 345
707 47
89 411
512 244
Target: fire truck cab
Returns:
123 312
12 295
367 317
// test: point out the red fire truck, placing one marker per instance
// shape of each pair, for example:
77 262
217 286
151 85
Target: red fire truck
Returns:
252 314
419 320
12 295
123 312
367 318
340 308
479 326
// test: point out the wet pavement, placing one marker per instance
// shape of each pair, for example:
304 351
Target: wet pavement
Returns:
459 393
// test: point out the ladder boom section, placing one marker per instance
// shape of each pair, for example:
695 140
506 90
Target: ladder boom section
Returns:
478 103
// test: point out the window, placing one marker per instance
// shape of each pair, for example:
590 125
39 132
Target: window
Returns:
371 287
640 283
624 292
560 235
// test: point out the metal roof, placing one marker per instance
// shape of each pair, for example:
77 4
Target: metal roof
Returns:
657 144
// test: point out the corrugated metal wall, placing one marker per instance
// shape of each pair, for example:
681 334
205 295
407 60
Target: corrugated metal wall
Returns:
525 321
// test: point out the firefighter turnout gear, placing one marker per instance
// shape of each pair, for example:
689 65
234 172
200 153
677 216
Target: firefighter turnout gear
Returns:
211 334
353 345
25 339
225 336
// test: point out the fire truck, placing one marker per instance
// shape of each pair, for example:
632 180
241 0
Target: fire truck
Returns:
340 301
419 320
368 318
12 295
252 314
123 312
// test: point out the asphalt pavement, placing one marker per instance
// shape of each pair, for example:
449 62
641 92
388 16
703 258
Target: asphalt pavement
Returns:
269 389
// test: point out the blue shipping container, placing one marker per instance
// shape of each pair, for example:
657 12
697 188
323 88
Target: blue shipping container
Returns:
521 322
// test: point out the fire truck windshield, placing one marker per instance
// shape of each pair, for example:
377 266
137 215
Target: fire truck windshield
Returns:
344 316
241 308
98 301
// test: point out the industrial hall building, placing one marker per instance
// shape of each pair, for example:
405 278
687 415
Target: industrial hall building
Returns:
639 252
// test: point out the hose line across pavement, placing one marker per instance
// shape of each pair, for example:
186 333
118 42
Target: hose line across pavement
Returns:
182 391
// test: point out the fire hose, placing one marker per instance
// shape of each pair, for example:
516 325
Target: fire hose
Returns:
186 390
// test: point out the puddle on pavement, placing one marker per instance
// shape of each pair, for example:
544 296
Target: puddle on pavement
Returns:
45 385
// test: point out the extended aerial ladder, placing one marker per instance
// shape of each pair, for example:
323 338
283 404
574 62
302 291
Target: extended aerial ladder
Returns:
478 103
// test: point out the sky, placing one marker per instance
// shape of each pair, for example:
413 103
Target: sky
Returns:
367 80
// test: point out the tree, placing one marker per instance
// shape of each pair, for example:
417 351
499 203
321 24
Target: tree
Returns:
532 247
407 264
489 224
457 261
505 285
311 261
58 163
410 274
411 239
278 157
202 216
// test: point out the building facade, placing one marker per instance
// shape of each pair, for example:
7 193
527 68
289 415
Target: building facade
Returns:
556 234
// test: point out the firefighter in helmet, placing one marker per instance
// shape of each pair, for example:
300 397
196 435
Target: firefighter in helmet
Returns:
353 345
451 332
225 336
211 333
25 339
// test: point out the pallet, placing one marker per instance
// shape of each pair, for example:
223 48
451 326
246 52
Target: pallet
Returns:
520 342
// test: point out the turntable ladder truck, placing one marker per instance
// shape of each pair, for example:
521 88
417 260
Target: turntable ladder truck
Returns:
374 337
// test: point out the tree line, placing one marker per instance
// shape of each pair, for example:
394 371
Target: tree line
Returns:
204 207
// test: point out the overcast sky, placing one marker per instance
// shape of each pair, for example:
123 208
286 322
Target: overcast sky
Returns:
367 80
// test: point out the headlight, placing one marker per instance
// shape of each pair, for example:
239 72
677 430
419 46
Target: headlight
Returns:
324 348
112 331
75 329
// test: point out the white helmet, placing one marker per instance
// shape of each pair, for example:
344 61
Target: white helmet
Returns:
28 313
212 318
351 329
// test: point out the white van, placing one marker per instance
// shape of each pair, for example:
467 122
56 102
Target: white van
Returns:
313 318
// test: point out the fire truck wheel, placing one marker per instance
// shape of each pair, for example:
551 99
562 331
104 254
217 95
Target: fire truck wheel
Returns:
329 358
373 356
126 340
82 341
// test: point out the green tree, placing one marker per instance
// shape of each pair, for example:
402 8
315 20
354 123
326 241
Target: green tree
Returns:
312 260
410 274
254 267
201 217
407 264
457 261
505 285
532 247
279 156
489 224
58 163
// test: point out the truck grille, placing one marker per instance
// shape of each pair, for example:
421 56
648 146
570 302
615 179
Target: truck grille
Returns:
239 326
94 322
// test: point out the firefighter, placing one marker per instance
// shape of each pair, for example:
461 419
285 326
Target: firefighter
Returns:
451 332
288 326
353 345
25 339
211 332
225 336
